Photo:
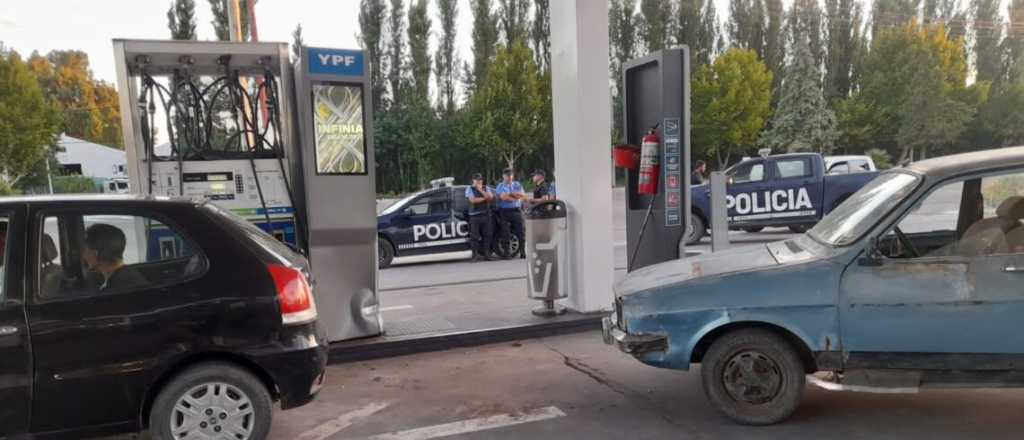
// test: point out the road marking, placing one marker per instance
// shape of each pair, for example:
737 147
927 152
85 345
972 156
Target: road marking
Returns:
333 426
473 425
393 308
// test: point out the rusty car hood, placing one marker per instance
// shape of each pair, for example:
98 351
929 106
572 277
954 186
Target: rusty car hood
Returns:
705 265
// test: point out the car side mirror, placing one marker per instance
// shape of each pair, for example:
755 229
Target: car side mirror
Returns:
872 256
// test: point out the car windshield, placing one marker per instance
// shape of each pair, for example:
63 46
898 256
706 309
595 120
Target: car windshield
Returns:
399 204
853 217
261 237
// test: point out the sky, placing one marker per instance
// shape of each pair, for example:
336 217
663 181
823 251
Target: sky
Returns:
90 25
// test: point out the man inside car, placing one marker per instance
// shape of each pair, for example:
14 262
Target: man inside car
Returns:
104 255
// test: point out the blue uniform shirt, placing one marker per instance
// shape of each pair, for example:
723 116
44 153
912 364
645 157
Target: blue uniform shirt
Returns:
509 188
479 207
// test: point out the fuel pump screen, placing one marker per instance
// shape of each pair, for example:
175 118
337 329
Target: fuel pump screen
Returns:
338 121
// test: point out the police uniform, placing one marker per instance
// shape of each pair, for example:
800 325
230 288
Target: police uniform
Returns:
479 223
511 213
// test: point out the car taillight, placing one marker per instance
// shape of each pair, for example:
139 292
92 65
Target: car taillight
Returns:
293 294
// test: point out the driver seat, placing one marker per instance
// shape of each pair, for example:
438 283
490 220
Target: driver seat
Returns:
988 236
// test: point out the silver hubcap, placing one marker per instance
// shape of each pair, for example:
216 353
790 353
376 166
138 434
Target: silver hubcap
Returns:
213 410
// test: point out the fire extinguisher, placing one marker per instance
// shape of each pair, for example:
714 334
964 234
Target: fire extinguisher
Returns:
649 163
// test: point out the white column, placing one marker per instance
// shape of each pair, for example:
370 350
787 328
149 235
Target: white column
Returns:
582 117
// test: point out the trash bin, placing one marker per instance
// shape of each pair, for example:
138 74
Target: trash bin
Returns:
546 230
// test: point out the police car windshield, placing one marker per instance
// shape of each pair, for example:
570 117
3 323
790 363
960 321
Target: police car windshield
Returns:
399 204
857 214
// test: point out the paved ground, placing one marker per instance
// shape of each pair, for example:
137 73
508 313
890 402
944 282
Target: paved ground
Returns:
574 387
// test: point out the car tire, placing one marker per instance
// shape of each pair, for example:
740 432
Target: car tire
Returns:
754 229
507 248
224 397
695 230
385 253
776 388
799 229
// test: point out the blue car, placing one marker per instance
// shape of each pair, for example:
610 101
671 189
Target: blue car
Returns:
917 280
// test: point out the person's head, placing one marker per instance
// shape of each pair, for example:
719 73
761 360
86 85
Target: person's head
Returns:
104 246
539 176
509 175
478 179
700 166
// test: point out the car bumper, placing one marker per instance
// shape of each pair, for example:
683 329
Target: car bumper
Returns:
299 372
634 344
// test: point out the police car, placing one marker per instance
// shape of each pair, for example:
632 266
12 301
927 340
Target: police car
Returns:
432 224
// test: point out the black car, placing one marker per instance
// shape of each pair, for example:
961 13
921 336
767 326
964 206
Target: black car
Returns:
123 313
432 222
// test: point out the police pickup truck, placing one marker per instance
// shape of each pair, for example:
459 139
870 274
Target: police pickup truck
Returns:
782 190
432 224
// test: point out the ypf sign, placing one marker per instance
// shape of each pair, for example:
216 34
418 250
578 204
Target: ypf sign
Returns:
335 61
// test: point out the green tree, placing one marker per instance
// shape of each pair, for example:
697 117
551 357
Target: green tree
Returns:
747 25
181 19
653 24
540 33
396 49
774 54
805 22
485 38
931 117
371 32
297 43
986 25
892 13
222 24
1013 44
843 26
802 121
731 102
622 47
29 124
508 106
514 18
447 57
419 49
89 107
696 26
1000 118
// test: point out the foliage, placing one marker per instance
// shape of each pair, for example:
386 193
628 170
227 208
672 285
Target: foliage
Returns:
447 57
297 43
696 26
880 157
181 19
513 17
396 48
623 46
6 190
731 101
74 185
371 27
419 49
29 124
221 22
987 53
653 24
843 26
803 121
485 38
540 33
90 107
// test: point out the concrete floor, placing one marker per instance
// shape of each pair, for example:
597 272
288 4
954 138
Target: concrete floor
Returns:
575 387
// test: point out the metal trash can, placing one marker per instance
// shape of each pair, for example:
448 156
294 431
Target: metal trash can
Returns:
547 271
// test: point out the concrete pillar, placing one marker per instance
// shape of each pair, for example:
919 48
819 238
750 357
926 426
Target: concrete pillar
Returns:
582 117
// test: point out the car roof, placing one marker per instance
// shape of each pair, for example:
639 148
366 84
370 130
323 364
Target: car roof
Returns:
845 157
94 198
946 166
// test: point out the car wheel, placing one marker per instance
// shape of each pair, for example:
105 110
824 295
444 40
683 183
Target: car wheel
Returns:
213 400
385 253
799 229
694 230
753 377
754 229
508 248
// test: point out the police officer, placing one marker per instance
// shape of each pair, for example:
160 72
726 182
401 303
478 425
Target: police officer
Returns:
480 198
541 187
510 202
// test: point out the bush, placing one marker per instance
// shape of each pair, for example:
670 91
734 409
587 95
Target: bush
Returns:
6 190
881 158
74 185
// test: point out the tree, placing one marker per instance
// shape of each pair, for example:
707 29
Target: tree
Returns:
1013 44
986 27
696 26
485 37
802 121
396 48
931 118
540 33
297 43
805 23
747 25
222 24
447 57
89 107
371 30
181 19
774 54
843 25
622 45
731 101
513 16
507 107
29 124
419 50
892 13
653 24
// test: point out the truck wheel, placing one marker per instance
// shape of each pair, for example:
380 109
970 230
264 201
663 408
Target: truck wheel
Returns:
799 229
212 400
694 230
385 253
753 377
754 229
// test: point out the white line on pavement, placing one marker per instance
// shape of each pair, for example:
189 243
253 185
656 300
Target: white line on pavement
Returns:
393 308
473 425
333 426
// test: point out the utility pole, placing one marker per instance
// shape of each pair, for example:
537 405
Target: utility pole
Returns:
235 20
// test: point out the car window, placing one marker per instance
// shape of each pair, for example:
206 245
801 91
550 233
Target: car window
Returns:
858 165
85 255
461 203
4 223
434 203
751 172
791 168
840 168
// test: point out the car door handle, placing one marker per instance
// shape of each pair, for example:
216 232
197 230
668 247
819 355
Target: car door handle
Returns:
8 330
1012 268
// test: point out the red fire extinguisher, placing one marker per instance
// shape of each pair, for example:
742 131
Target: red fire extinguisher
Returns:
649 163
